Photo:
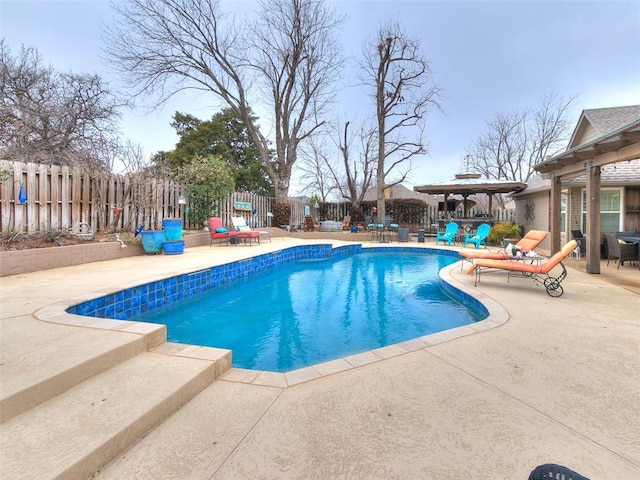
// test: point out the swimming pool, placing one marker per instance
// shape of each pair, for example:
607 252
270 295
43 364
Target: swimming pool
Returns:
132 302
314 310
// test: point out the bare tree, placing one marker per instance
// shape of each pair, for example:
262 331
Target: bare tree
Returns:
53 117
400 79
316 167
358 172
290 55
351 175
513 143
498 151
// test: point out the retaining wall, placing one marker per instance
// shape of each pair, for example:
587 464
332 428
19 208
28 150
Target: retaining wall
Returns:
23 261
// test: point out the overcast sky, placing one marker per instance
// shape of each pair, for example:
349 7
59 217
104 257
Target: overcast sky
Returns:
487 57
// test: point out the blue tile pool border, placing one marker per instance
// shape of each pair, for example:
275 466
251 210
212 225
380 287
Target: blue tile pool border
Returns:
131 302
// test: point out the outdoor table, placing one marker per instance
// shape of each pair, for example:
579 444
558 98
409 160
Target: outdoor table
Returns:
633 240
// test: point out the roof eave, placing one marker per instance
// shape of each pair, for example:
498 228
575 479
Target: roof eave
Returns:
624 136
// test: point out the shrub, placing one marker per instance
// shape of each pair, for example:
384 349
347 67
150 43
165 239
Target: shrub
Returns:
504 230
407 211
206 180
356 215
282 214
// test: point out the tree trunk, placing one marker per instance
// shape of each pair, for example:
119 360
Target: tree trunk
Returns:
282 191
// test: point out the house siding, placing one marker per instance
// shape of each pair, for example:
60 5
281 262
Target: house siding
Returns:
532 212
586 134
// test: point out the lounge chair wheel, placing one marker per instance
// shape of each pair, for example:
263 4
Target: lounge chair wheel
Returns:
553 287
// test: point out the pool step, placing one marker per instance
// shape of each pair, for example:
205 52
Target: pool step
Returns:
75 433
58 359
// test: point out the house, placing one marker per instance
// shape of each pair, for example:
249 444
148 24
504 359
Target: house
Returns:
399 191
593 186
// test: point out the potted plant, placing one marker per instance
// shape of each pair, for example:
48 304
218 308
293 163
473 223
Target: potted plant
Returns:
152 240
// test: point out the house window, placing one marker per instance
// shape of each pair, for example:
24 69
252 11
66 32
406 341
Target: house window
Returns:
610 209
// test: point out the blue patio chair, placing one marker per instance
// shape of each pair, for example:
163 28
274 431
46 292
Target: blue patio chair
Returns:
449 234
374 229
480 237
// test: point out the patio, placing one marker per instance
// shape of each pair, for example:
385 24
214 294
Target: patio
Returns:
558 382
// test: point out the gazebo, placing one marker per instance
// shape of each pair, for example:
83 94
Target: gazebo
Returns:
466 184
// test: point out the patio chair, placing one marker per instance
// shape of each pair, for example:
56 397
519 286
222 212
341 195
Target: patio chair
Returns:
244 231
554 471
582 242
620 250
539 273
480 237
346 222
309 224
218 232
449 234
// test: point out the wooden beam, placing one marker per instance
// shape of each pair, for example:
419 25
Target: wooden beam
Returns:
624 154
554 209
575 166
593 219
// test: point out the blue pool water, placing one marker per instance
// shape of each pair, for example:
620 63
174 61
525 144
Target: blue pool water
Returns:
310 311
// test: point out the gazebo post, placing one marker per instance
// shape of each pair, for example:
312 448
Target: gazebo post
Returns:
446 205
490 206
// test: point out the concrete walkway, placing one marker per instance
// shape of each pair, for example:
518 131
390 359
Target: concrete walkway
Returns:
559 382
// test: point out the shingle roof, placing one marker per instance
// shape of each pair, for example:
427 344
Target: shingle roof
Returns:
606 120
624 133
471 183
397 191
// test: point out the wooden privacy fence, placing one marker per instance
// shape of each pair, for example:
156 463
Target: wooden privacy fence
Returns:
63 198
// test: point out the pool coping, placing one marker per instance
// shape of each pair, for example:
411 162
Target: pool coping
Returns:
155 335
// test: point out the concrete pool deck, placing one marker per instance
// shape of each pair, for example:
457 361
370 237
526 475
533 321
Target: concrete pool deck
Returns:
558 382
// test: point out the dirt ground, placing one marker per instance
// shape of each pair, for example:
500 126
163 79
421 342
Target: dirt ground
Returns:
59 239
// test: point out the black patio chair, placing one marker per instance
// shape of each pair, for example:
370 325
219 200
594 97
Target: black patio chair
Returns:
582 242
620 251
554 471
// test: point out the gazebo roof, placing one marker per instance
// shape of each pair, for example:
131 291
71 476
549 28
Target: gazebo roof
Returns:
470 183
